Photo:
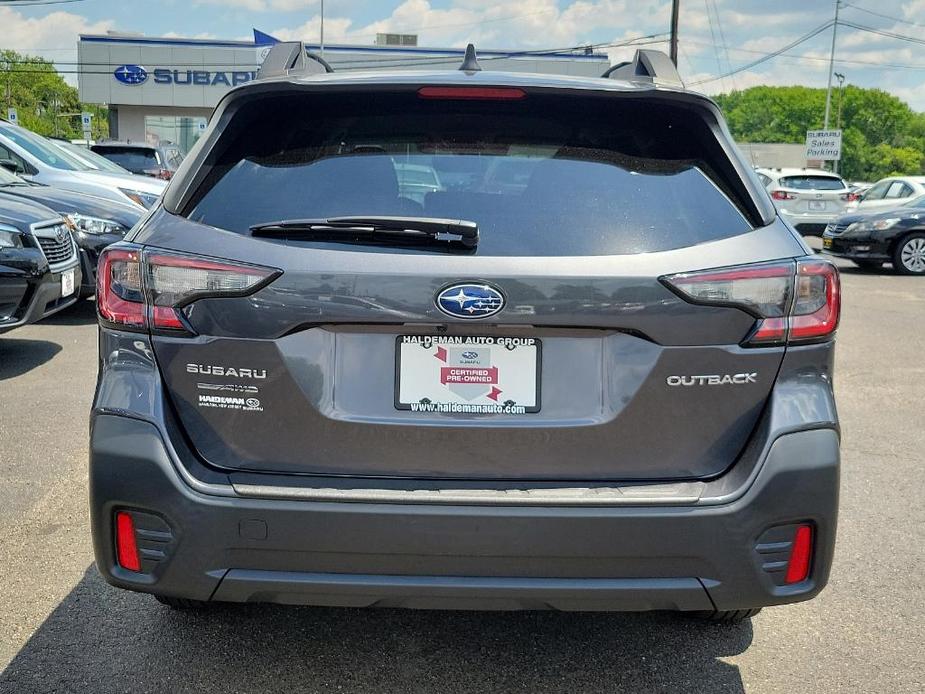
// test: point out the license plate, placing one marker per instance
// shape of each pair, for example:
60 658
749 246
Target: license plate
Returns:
816 205
826 243
67 283
448 374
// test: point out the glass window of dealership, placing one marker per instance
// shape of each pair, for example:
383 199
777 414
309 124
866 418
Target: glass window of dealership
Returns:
164 89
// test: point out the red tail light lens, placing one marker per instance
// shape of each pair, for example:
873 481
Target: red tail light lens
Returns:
800 555
126 546
782 195
793 301
817 304
850 197
135 287
119 300
477 93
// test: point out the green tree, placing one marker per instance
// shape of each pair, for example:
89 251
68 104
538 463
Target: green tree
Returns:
43 101
882 134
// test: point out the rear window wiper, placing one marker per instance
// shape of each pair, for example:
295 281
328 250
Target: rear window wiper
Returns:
415 229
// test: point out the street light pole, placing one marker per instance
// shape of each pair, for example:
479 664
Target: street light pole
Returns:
828 92
673 50
322 29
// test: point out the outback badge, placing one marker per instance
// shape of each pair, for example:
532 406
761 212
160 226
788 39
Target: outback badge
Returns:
469 300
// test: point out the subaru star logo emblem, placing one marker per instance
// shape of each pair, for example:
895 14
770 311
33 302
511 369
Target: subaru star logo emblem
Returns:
130 74
470 300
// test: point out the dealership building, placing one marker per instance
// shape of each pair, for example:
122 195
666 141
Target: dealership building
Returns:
164 89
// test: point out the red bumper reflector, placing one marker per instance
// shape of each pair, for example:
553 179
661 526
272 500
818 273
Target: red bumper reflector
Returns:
800 554
484 93
126 547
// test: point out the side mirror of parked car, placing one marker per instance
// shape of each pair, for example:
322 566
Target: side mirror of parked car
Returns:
12 166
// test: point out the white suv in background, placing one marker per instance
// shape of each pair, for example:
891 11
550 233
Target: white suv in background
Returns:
40 160
807 198
888 193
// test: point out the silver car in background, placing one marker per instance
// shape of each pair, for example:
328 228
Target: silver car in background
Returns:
40 160
807 198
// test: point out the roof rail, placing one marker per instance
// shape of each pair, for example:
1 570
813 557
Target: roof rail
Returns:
292 58
647 65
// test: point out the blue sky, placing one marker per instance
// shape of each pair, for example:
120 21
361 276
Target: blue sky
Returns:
717 36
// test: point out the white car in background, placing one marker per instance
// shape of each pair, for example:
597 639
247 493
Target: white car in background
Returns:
890 192
37 159
807 198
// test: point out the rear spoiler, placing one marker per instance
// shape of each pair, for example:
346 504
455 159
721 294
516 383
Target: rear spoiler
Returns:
292 58
649 66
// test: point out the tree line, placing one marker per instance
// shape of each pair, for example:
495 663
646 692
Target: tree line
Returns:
882 135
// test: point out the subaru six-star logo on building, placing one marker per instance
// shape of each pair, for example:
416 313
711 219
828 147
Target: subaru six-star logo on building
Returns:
470 300
130 74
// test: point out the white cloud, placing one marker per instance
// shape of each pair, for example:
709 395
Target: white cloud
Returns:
262 5
35 36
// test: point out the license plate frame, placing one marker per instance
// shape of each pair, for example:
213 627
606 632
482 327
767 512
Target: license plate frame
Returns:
508 374
67 283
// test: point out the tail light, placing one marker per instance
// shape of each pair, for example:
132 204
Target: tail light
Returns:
163 174
782 195
137 290
850 197
793 301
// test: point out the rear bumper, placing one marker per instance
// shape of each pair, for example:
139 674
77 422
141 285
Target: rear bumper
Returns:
721 554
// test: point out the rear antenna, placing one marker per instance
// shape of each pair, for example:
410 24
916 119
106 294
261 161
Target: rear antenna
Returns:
471 62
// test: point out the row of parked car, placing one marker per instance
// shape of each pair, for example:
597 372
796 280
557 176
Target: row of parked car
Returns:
869 225
60 205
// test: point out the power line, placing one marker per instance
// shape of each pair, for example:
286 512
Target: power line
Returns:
883 16
806 37
816 58
883 32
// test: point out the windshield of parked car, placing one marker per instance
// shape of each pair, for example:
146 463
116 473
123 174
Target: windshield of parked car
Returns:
536 178
812 183
918 202
8 178
41 149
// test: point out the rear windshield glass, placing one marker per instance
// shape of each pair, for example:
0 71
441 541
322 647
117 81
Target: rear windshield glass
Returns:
540 176
812 183
135 159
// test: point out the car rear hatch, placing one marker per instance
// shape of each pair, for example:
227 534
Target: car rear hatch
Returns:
564 346
812 195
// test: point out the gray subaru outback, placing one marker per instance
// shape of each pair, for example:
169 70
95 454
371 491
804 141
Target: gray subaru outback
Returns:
590 370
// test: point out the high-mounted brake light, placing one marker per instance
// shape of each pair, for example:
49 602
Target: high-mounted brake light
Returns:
472 93
794 301
138 289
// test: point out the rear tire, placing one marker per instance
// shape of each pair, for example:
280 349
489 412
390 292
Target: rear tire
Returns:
181 603
909 255
727 616
868 265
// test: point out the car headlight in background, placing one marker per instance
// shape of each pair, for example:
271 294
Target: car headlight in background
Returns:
878 225
95 225
146 200
10 237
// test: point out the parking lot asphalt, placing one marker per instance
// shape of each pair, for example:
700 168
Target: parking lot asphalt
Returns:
62 629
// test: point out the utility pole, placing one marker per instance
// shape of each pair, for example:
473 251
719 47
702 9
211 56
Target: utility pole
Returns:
673 50
828 93
322 29
841 98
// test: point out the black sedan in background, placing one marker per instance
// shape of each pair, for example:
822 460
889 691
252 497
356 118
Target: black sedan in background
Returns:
39 269
895 236
96 222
